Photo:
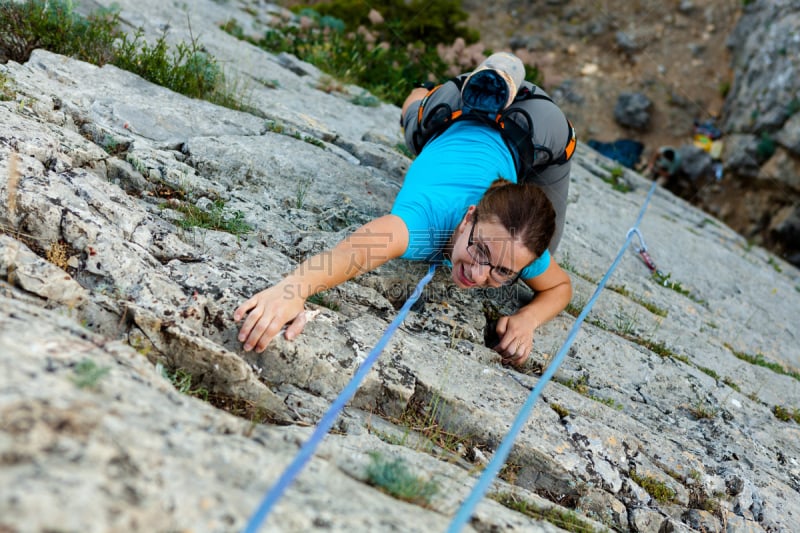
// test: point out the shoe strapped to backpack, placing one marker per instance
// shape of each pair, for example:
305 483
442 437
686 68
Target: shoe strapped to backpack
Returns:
492 86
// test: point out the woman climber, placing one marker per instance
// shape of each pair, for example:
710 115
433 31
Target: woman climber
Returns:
485 202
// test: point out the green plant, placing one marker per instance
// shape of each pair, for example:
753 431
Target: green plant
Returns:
653 308
6 91
54 25
774 264
214 218
610 402
403 149
387 57
275 126
183 382
759 360
394 478
87 374
664 280
303 185
310 140
365 99
702 411
561 411
655 488
322 299
732 384
724 88
576 305
566 520
187 69
624 324
97 39
615 178
793 106
766 147
781 413
708 371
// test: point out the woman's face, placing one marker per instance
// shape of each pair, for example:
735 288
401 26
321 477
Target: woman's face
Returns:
490 242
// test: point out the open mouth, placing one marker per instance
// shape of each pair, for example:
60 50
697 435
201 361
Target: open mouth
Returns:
461 277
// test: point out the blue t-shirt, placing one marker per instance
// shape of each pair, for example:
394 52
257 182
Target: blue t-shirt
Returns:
450 174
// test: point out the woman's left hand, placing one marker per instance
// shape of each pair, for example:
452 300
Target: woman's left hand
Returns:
516 339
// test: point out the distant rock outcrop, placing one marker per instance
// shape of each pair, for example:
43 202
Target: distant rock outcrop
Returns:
762 123
675 410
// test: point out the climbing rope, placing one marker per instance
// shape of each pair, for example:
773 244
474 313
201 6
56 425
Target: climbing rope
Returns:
327 421
490 472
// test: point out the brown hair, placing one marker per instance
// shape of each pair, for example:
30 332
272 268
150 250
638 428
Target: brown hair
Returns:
523 209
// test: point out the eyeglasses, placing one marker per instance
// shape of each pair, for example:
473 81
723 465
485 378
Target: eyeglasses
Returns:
480 254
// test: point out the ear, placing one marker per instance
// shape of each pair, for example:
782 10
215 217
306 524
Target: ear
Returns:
469 216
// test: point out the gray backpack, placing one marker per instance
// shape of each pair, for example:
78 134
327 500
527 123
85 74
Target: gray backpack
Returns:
536 131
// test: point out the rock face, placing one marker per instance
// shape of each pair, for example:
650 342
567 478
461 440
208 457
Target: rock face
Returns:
762 111
673 410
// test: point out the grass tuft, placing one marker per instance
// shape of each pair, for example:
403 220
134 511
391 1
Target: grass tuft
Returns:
655 488
759 360
394 478
566 520
214 218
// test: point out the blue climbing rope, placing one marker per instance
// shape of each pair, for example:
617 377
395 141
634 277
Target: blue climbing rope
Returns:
327 421
465 511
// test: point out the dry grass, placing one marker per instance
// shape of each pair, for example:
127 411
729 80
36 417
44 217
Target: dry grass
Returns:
58 254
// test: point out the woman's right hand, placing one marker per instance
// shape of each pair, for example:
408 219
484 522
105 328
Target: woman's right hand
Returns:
267 312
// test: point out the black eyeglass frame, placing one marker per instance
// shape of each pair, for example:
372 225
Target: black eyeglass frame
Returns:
492 268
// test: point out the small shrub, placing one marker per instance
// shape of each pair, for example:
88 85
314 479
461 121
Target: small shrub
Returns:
387 57
187 69
394 478
53 25
97 39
